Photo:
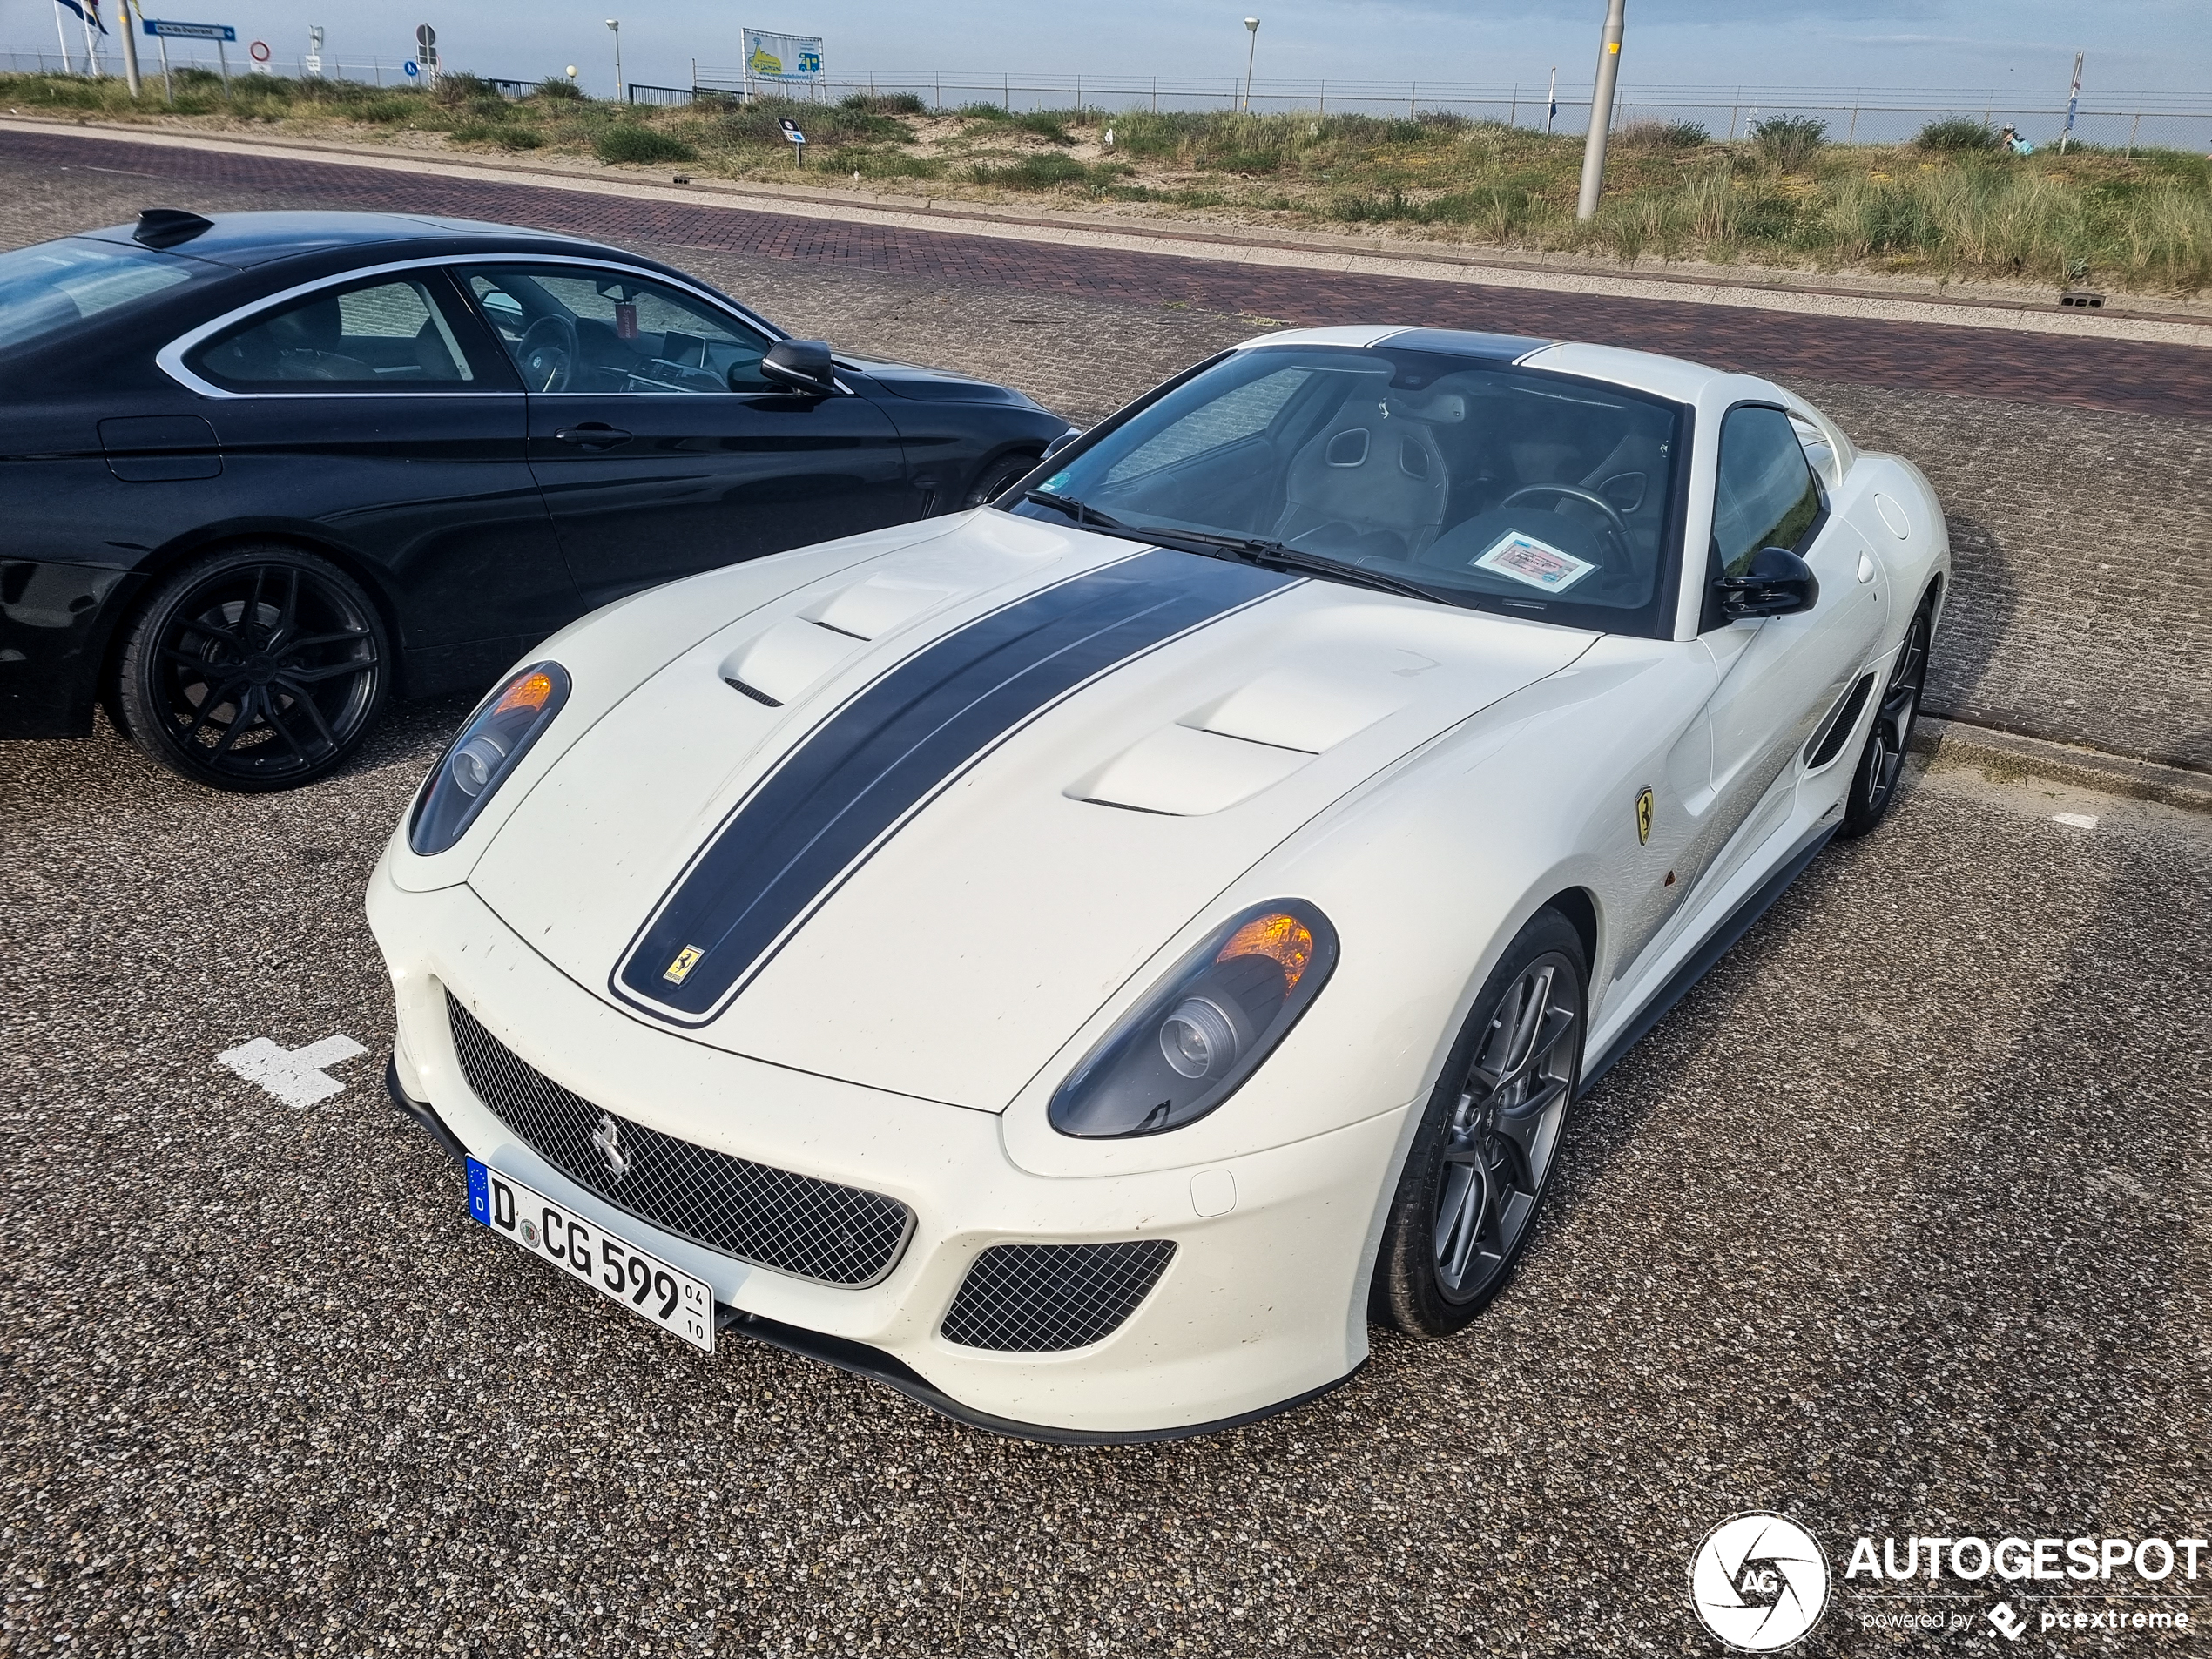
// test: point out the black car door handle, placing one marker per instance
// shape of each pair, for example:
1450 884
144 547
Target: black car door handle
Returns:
593 435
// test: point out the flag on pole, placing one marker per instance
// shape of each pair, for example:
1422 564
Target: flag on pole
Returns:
88 12
1552 114
2074 98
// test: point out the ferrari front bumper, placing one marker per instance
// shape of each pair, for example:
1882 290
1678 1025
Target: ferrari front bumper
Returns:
1262 1302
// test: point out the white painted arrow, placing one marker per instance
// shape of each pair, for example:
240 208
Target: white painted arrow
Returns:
293 1075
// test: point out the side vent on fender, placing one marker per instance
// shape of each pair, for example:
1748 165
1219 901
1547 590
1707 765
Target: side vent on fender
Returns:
1828 741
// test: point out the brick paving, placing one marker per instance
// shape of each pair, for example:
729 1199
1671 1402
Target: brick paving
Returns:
2090 374
2078 513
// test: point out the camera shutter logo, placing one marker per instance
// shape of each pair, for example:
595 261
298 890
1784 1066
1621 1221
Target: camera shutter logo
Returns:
1759 1583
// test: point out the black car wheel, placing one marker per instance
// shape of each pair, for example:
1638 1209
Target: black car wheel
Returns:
1482 1158
255 669
1873 785
996 478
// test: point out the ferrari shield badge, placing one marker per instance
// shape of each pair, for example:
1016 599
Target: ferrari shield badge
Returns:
687 958
1643 818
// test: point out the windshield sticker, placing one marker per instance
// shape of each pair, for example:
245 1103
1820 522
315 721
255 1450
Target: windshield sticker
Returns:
1538 563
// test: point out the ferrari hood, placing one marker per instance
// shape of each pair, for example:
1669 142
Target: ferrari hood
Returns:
912 825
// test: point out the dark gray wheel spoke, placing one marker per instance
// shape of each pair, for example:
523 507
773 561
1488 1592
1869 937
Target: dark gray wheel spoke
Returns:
300 699
317 676
338 636
1499 1142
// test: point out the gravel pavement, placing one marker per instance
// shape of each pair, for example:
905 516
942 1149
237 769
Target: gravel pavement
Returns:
1896 1225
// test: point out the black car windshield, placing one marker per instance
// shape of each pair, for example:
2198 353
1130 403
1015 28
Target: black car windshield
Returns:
57 285
1490 486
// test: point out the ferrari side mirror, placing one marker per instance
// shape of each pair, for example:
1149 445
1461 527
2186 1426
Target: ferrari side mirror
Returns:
1776 583
802 365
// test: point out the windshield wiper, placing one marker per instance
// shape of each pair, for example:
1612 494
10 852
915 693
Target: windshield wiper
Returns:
1276 556
1081 512
1249 550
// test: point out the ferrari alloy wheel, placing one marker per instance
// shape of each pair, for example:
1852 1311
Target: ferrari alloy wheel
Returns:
257 669
996 478
1482 1158
1873 785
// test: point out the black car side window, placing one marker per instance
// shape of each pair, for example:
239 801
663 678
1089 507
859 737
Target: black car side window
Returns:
1765 495
387 335
580 328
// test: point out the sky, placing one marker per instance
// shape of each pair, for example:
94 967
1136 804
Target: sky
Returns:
2134 45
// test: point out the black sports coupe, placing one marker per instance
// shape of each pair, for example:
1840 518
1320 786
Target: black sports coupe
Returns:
263 470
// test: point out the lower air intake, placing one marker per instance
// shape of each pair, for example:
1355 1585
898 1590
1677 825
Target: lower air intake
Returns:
794 1223
1042 1298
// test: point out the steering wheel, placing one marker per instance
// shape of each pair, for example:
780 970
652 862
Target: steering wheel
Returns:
1615 523
546 353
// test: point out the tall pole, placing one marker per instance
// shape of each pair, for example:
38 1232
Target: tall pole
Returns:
1609 73
61 35
1251 28
130 49
614 23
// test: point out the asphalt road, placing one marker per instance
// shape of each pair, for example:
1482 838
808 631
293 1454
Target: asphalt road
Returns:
1896 1225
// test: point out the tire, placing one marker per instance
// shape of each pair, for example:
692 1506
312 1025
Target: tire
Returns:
1482 1158
1873 782
258 668
996 478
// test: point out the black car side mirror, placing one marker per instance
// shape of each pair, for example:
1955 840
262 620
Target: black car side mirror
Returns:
803 365
1778 583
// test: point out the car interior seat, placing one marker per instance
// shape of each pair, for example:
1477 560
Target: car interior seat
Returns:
1372 483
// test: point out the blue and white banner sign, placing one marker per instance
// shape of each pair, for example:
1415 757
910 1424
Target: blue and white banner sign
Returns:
191 30
782 58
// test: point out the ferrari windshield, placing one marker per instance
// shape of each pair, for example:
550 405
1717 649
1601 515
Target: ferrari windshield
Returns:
1478 482
56 285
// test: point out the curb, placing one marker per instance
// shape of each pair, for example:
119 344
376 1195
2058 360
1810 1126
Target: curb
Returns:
1292 250
2000 754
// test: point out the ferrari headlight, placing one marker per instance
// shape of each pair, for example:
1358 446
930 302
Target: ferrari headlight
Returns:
1207 1028
485 753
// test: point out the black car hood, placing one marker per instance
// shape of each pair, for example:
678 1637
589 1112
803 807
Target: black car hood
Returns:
932 385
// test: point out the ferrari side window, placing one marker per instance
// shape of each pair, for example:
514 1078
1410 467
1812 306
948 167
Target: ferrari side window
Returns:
1765 495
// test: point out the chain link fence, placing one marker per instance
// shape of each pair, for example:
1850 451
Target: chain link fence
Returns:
2119 120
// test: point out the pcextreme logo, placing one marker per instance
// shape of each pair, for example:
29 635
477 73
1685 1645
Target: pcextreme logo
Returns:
1759 1583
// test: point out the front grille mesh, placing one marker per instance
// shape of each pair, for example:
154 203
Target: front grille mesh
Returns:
1042 1299
794 1223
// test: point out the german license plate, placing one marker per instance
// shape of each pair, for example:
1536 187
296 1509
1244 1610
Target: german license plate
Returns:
648 1286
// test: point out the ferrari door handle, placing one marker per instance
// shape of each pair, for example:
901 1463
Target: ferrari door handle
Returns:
593 435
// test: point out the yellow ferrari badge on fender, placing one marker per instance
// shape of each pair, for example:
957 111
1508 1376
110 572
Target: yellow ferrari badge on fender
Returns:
687 958
1643 820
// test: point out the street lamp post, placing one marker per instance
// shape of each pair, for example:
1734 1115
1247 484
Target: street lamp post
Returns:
1609 74
615 25
1251 28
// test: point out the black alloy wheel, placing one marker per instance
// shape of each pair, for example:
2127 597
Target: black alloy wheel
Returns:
996 478
1873 785
256 669
1482 1158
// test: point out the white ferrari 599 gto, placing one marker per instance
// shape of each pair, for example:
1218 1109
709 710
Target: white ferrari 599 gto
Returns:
1080 961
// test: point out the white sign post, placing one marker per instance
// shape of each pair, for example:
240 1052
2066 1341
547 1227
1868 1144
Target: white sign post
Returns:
218 32
798 140
313 63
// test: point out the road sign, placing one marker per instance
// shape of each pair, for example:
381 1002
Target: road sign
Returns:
259 51
412 68
191 30
790 129
425 37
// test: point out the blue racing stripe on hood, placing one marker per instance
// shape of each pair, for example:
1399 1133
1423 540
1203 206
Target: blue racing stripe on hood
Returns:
806 826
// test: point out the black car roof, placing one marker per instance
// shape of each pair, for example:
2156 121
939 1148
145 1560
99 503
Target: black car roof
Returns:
246 239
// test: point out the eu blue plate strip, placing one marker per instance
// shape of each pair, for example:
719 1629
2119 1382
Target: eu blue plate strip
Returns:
806 826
